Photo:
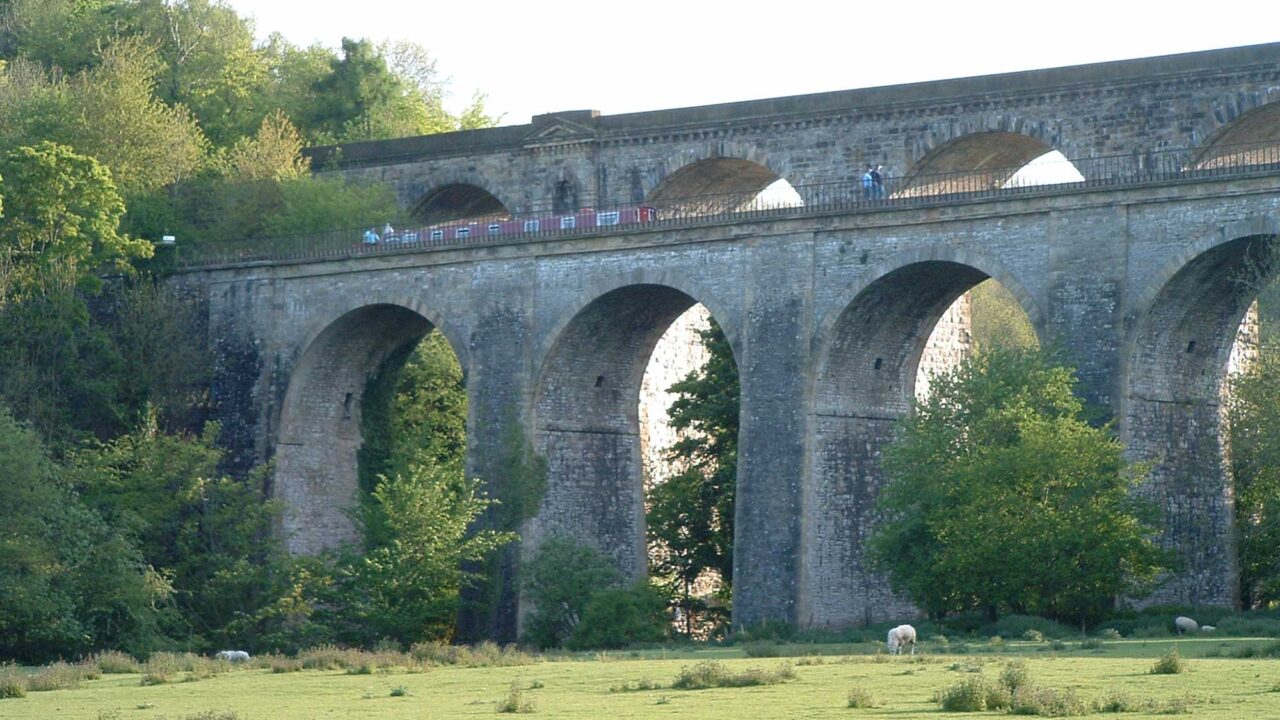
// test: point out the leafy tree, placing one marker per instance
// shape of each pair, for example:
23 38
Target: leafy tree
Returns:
208 62
69 583
1253 420
358 86
419 522
1000 497
998 321
62 211
617 617
690 517
208 534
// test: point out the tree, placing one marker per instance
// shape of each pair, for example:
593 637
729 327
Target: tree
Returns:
690 517
560 581
1253 421
69 582
1000 497
62 211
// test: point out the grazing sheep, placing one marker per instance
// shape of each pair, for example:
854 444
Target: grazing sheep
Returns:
235 656
1184 624
899 636
1207 628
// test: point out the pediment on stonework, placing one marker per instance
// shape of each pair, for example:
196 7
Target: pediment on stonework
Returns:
554 130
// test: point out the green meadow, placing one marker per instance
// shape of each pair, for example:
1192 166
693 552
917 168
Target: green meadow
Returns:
1220 680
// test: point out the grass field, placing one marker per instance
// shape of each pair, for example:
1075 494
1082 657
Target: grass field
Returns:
1215 685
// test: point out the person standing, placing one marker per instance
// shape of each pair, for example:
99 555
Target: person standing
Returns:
877 182
868 184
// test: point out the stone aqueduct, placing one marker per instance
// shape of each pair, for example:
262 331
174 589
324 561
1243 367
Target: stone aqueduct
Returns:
827 309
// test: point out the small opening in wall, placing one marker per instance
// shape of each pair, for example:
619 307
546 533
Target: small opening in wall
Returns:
879 362
1191 346
599 380
346 407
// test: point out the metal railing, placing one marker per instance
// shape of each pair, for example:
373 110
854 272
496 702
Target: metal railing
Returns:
1108 172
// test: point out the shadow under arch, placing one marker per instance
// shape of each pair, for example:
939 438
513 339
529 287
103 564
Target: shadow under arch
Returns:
586 422
457 201
1175 366
711 186
864 382
1252 138
320 421
977 161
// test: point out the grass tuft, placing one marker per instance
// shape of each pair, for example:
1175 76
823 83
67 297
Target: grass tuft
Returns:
515 701
860 698
13 682
1171 663
712 674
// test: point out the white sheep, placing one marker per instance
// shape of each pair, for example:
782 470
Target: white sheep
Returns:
1184 624
235 656
899 636
1207 628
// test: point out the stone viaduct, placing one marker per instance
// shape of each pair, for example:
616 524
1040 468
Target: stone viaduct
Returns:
1142 276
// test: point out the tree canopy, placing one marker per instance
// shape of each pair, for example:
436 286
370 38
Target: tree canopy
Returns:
1000 497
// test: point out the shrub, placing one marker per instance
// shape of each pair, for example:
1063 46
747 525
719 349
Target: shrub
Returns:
711 674
1091 644
560 581
1030 700
1254 651
973 694
763 649
1171 663
618 617
1027 627
862 698
160 668
1115 701
1015 675
59 676
399 691
114 662
1110 634
515 701
13 682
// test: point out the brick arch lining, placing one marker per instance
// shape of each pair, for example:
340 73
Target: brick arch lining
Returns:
1242 129
1176 364
586 422
315 458
863 383
974 161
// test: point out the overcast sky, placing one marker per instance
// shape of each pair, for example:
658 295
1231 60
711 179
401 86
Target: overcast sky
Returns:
618 57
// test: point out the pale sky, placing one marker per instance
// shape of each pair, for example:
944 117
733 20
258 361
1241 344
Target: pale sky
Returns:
619 57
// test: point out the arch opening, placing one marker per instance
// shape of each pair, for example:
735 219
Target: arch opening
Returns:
1200 328
1251 139
721 185
323 420
599 414
458 201
986 161
911 322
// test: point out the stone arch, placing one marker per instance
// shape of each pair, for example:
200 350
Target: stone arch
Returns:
459 196
721 177
319 420
585 421
864 377
1175 361
1241 129
983 159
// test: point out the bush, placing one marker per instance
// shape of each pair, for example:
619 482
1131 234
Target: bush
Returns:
862 698
114 662
1028 627
515 701
1171 663
616 618
1110 634
1115 701
973 694
13 682
60 676
1015 675
711 674
560 581
1047 701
